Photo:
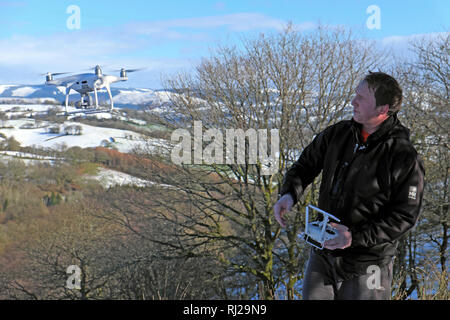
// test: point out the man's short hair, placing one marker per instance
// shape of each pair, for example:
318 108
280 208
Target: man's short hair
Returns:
386 90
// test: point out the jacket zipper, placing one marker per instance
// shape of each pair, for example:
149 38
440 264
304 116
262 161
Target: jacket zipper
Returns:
336 189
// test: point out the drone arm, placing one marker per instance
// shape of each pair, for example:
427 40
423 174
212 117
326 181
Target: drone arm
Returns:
107 80
67 97
96 97
108 88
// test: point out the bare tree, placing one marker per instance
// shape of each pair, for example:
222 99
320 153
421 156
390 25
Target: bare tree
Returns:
295 83
72 238
152 267
426 94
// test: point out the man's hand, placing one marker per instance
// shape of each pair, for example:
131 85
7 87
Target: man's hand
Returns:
281 207
343 239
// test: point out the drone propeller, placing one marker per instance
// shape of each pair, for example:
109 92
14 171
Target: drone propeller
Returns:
129 70
49 75
54 73
93 68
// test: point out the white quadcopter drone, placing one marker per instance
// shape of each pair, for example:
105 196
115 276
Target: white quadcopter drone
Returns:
85 83
317 232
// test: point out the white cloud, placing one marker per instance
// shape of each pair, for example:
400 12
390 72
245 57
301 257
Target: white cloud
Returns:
233 22
401 44
87 47
121 46
70 48
413 37
133 45
24 58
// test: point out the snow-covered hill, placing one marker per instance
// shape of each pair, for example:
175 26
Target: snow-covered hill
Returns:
21 123
109 178
29 133
123 97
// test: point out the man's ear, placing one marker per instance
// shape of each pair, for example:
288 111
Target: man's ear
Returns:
383 110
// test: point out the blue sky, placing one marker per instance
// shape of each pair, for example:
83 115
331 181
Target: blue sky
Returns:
168 36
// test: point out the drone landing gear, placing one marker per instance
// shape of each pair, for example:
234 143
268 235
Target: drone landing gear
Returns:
110 97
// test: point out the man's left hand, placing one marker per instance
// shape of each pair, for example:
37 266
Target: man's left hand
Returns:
343 239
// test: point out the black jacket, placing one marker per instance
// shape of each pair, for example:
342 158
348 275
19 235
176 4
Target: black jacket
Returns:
374 188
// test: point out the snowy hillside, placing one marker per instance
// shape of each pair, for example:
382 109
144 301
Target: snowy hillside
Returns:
123 97
109 178
29 126
28 133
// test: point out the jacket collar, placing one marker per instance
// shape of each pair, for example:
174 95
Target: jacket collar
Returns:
386 128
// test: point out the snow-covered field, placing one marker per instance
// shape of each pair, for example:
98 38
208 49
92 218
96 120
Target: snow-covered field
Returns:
32 109
29 132
20 104
27 158
109 178
19 123
123 140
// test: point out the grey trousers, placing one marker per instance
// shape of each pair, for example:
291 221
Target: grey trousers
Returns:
374 285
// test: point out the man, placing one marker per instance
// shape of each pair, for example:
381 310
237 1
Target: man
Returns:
372 180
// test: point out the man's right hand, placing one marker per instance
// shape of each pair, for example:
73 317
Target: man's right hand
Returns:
283 205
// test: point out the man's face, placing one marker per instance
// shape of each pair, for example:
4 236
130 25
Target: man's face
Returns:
364 111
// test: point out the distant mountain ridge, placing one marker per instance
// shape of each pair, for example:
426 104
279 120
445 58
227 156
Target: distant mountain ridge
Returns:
123 97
